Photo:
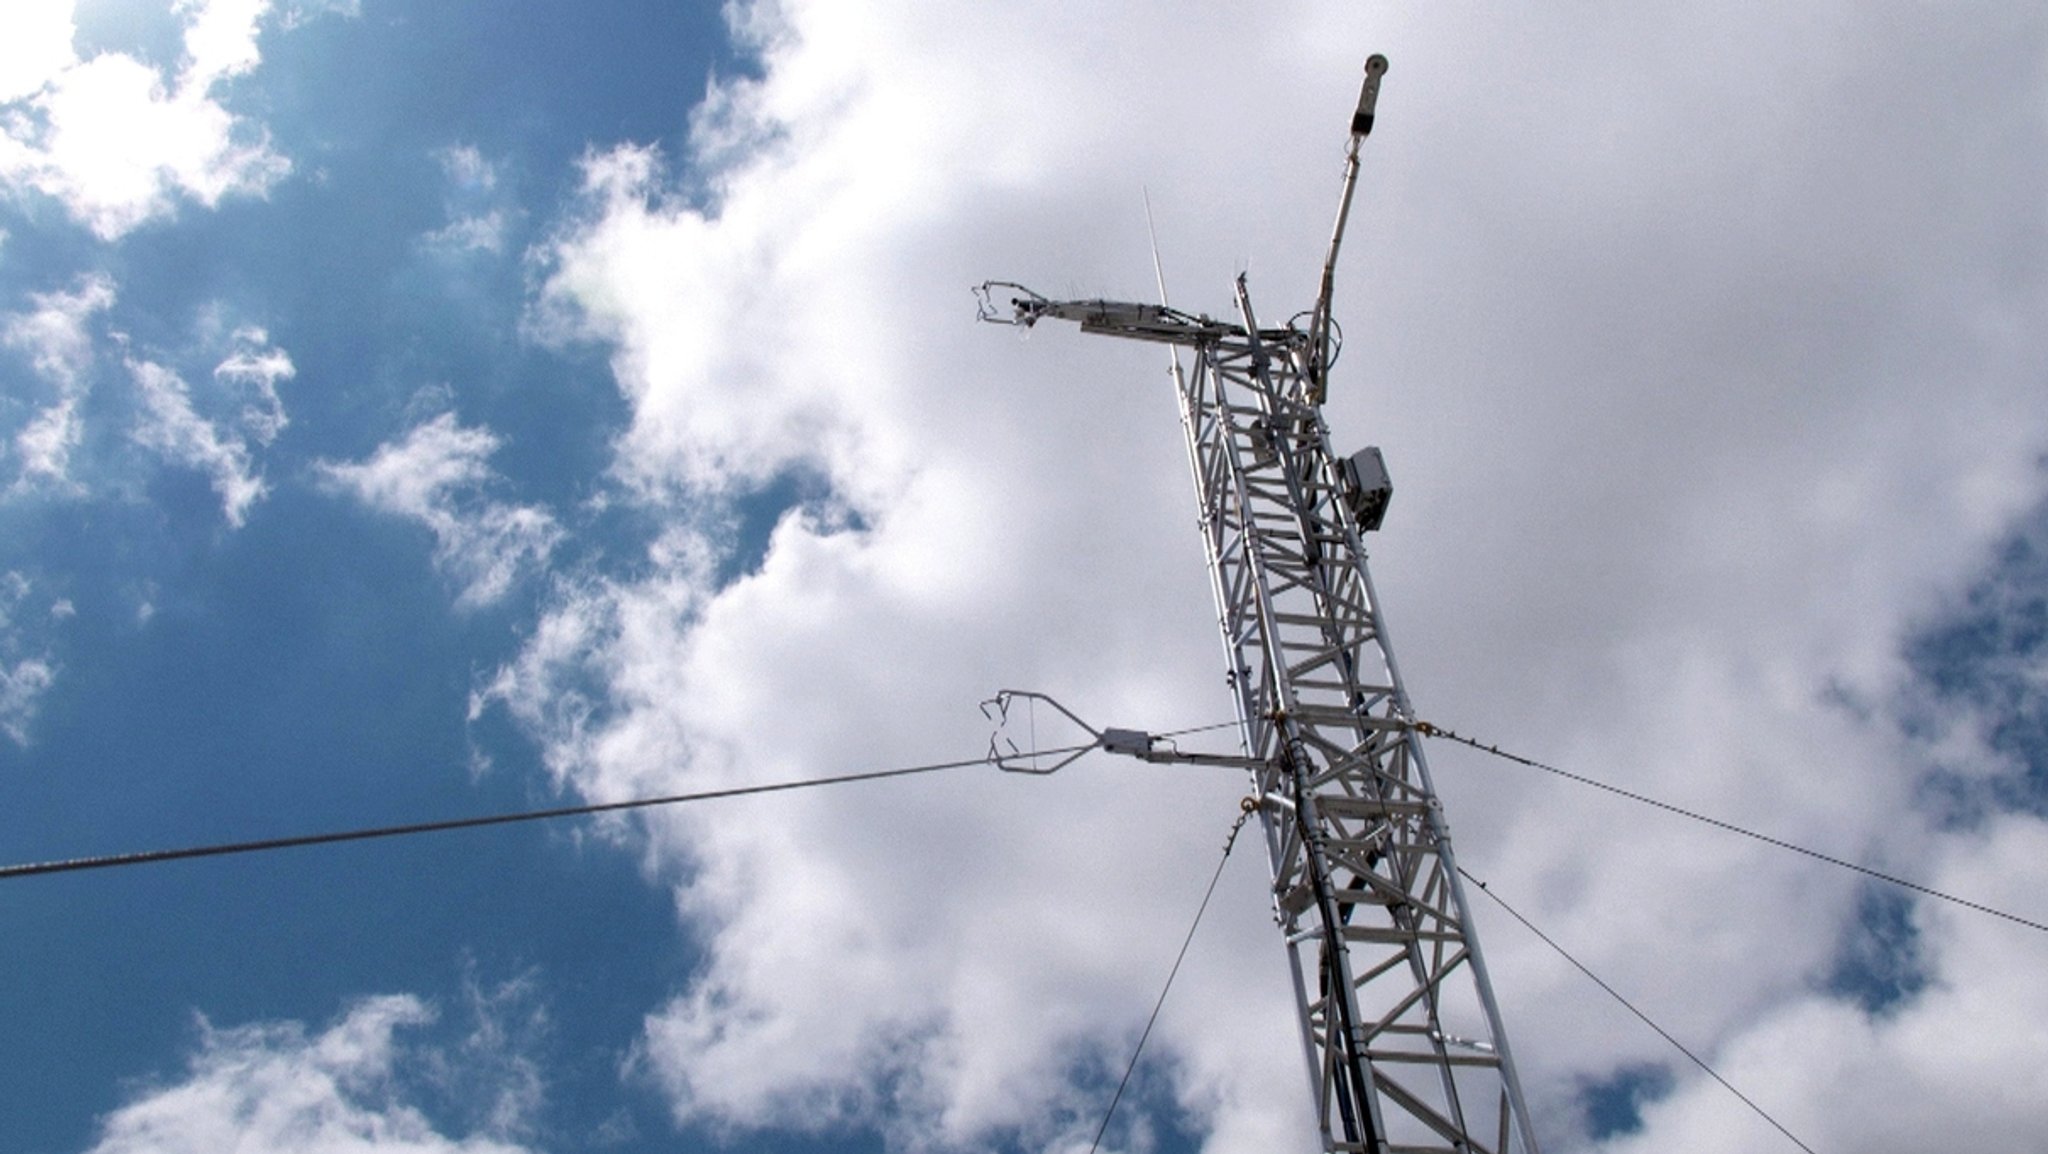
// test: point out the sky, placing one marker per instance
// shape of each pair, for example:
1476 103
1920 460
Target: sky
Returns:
411 410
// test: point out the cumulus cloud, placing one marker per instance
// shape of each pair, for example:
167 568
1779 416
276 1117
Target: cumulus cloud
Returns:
225 448
1954 1066
56 337
117 141
275 1087
438 475
37 48
1705 359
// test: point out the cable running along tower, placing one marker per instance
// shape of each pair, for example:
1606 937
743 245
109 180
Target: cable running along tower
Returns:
1405 1049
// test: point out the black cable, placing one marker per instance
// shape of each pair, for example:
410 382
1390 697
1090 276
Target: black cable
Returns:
1630 1006
32 869
1427 730
1228 843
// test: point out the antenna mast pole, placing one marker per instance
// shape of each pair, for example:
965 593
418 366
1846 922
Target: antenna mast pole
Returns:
1404 1044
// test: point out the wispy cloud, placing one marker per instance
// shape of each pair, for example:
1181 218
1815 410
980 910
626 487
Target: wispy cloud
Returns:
118 141
438 476
252 369
22 686
223 449
297 12
274 1087
477 210
56 337
27 665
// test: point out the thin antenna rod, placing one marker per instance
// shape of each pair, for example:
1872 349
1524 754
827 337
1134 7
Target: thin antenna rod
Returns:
1152 230
1320 351
1159 272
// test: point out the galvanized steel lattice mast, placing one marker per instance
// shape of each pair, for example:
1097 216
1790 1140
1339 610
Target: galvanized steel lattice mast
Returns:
1403 1038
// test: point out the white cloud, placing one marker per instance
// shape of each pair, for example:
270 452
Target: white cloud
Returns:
438 476
117 141
726 411
1956 1067
59 343
272 1088
220 39
37 46
27 668
297 12
54 334
174 429
220 432
224 449
1705 357
22 686
467 169
253 367
478 219
491 1074
484 232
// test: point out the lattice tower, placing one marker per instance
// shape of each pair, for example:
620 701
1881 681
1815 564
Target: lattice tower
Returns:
1403 1038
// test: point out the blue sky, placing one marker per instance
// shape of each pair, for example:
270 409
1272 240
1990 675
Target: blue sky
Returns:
305 668
411 410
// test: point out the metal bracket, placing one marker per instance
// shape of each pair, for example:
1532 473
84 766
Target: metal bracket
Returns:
1162 751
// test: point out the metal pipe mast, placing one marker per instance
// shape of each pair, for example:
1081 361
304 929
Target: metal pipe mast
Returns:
1404 1044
